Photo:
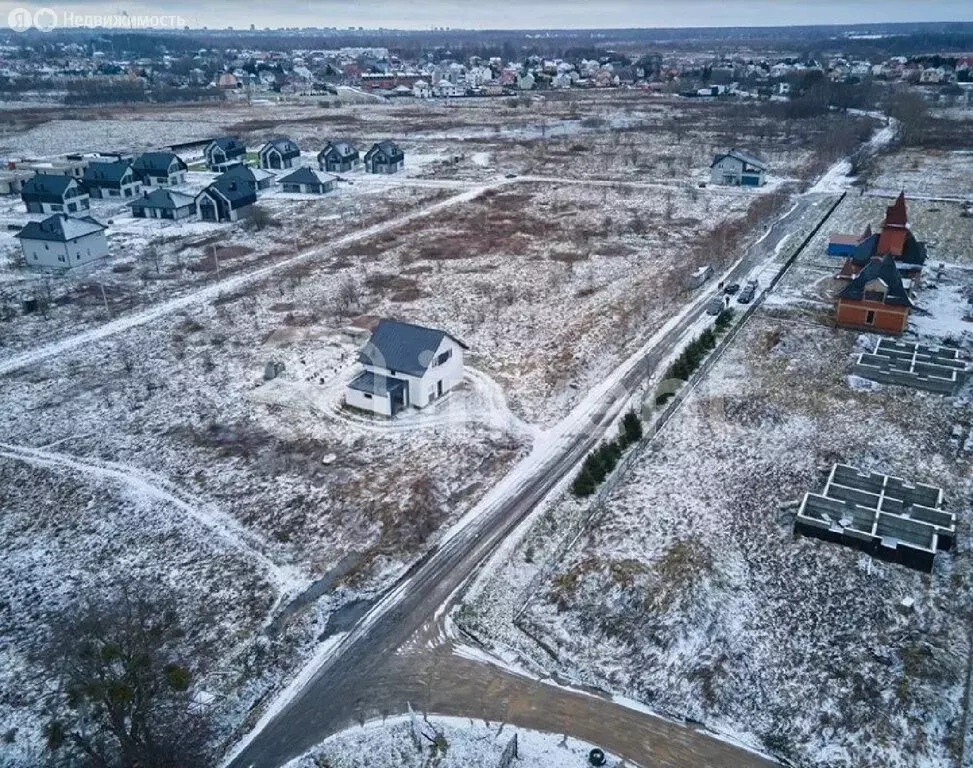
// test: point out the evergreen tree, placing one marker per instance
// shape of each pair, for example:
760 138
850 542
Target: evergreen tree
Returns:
583 485
632 425
595 467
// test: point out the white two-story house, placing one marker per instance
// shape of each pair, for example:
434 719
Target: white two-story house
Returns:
405 365
49 193
738 168
61 242
160 169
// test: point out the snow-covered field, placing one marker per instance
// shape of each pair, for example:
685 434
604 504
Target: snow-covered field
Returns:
445 742
73 533
163 430
691 593
928 172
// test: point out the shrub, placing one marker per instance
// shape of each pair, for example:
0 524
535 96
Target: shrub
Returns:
724 319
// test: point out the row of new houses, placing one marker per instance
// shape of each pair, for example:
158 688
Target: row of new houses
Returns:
57 243
126 178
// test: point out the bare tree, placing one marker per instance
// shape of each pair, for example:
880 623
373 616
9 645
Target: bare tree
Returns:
261 218
151 255
348 293
124 697
912 112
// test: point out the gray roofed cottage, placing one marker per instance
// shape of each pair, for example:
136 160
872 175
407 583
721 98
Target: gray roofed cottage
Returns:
111 179
223 152
405 364
164 204
61 242
384 157
307 180
54 193
338 157
738 168
403 347
163 168
278 153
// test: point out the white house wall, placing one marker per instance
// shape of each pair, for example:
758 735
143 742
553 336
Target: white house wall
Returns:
450 373
368 402
422 390
44 254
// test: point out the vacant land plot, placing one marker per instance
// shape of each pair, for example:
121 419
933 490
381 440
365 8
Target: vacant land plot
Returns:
551 284
693 595
927 172
70 536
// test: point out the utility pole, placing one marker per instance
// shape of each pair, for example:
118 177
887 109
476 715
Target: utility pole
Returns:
104 298
216 260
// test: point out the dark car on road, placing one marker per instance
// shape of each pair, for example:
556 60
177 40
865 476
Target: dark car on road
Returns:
731 289
748 292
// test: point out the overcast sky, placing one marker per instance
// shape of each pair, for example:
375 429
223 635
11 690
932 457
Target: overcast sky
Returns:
517 14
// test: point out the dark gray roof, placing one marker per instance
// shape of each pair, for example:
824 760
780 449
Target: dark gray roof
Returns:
306 175
60 228
403 347
241 172
102 174
387 148
230 145
343 149
46 187
156 163
747 157
284 145
237 185
886 271
865 250
376 384
163 199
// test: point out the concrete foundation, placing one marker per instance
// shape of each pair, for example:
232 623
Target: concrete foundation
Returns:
884 516
932 369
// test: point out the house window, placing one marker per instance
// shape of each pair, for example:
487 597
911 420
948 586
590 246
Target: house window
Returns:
869 318
367 396
444 357
874 296
57 207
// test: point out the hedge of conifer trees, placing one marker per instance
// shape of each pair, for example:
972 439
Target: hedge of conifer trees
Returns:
601 461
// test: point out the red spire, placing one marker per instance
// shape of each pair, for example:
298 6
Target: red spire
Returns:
895 214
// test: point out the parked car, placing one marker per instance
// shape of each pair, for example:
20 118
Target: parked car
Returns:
731 289
715 305
748 292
